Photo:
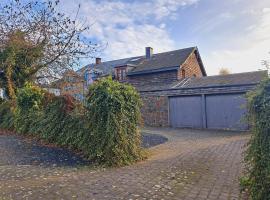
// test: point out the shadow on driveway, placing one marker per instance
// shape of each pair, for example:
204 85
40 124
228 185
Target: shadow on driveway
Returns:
16 151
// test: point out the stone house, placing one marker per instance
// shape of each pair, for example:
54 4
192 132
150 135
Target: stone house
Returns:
176 90
71 84
150 69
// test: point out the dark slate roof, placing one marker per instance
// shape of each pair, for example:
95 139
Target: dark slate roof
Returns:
163 61
171 60
246 78
230 79
108 66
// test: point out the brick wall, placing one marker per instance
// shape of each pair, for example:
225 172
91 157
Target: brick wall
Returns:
191 67
155 110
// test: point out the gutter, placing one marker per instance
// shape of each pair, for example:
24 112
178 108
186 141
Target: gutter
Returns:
203 87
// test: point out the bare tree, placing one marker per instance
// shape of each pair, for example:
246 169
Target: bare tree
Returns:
38 42
224 71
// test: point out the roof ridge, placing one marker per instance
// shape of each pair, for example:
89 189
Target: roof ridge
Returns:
232 74
194 47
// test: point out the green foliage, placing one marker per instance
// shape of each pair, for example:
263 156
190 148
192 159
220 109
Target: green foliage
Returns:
30 97
114 116
17 55
258 152
105 131
6 115
29 106
1 100
61 123
55 119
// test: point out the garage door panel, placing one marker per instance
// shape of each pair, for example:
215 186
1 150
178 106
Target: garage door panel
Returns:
226 111
186 111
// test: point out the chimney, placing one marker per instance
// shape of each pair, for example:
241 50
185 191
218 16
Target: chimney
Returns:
98 61
148 52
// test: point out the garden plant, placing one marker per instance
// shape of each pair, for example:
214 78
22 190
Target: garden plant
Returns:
257 157
105 130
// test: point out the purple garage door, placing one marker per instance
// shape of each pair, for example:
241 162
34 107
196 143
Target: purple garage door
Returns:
226 111
186 111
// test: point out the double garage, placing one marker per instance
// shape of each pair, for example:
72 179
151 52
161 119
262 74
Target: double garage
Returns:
211 102
222 107
213 111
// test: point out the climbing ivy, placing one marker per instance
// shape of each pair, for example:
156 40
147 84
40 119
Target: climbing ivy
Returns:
105 131
7 115
114 116
258 152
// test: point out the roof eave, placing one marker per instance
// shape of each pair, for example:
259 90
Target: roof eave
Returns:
202 87
198 56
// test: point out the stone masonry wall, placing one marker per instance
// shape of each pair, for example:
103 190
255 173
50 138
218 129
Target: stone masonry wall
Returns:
155 110
191 67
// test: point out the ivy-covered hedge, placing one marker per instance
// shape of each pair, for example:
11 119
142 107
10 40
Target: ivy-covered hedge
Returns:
114 116
7 115
105 130
28 107
258 152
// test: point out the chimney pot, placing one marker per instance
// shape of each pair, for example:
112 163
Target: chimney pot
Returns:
98 61
148 52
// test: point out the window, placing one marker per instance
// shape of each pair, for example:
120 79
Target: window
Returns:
121 74
183 73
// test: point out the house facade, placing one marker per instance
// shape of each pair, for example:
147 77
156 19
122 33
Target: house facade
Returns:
175 89
72 84
141 71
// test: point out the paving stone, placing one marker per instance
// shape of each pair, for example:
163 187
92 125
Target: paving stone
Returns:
193 164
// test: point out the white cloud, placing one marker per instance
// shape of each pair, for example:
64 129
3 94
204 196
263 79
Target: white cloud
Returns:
212 24
128 27
249 51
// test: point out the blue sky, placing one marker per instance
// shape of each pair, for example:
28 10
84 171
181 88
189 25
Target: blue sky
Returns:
229 33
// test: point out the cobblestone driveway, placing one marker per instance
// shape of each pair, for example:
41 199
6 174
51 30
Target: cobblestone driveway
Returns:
191 165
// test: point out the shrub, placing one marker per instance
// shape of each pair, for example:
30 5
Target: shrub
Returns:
63 122
105 131
258 152
114 116
1 100
7 115
29 105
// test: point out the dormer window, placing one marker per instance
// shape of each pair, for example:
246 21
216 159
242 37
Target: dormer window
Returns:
120 73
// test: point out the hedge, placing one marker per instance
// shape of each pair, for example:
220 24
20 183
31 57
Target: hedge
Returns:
105 130
258 152
114 116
